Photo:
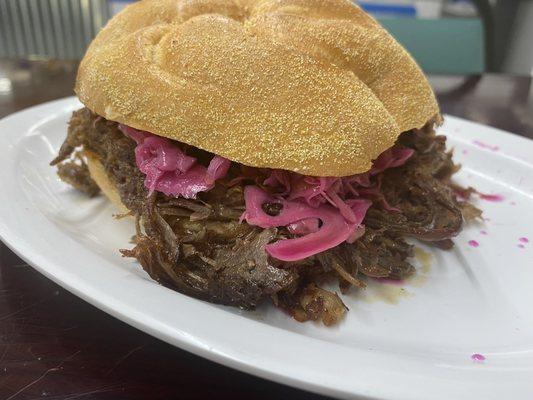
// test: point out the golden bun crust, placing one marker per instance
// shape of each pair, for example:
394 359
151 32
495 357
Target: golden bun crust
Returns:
99 176
312 86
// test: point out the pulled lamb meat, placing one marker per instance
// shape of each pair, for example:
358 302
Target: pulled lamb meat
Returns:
201 248
75 172
223 262
116 152
420 190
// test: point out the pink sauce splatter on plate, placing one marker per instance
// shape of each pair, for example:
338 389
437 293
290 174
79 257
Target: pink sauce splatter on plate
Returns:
473 243
523 240
521 246
487 146
484 232
496 198
478 357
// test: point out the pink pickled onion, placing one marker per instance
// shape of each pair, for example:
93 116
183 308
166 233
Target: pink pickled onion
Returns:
169 170
320 190
344 208
393 157
279 177
335 228
305 226
218 168
133 133
311 189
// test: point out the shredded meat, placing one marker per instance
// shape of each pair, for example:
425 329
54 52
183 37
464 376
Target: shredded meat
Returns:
113 148
76 173
235 272
200 248
313 303
420 190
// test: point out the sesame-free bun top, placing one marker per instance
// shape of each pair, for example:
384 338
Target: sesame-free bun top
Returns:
312 86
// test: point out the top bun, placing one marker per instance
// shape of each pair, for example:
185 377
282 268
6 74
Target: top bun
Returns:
312 86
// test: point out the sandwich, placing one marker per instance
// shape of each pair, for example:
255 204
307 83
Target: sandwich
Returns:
265 148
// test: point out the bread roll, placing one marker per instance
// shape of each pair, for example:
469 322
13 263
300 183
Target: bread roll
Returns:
312 86
100 177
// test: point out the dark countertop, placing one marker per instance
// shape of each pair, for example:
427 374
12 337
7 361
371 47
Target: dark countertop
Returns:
56 346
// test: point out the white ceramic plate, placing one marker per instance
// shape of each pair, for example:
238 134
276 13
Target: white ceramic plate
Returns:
413 341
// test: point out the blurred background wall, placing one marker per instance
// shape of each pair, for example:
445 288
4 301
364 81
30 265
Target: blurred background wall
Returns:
445 36
50 28
519 56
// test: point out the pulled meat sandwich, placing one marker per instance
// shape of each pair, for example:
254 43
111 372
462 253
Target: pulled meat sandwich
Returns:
263 148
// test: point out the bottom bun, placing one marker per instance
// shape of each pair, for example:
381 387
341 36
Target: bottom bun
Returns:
98 174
